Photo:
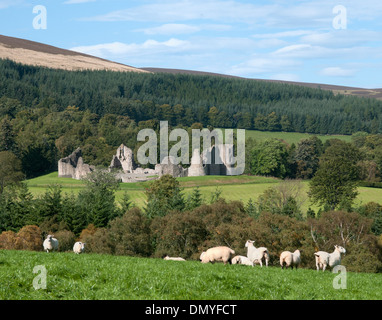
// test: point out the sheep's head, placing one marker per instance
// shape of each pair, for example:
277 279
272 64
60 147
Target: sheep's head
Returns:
249 242
340 249
201 256
235 260
49 237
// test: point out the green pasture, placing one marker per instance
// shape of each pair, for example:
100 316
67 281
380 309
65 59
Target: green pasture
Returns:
290 137
232 188
96 277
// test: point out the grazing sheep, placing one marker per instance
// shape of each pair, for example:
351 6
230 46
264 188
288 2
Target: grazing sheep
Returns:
50 244
174 258
257 254
79 247
289 259
217 254
242 260
324 259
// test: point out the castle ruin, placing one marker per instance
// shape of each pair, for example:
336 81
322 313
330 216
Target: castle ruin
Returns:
211 162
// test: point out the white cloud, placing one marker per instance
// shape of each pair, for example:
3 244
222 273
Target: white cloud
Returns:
183 10
171 28
77 1
216 27
283 34
296 51
264 64
4 4
180 28
342 38
285 77
337 72
119 49
308 51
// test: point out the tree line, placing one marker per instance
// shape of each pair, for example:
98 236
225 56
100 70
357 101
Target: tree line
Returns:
185 99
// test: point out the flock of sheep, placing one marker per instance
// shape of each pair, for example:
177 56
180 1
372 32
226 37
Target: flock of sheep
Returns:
257 255
227 255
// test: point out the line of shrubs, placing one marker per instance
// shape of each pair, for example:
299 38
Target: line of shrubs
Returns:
189 232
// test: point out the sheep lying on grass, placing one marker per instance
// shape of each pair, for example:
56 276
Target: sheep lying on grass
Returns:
242 260
50 244
289 259
257 254
324 259
174 258
79 247
217 254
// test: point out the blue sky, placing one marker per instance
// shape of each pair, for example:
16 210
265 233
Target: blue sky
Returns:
323 41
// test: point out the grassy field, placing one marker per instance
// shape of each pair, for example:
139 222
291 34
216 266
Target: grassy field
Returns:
290 137
94 276
232 187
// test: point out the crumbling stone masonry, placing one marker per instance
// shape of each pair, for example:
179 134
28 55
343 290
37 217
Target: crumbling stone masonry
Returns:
73 166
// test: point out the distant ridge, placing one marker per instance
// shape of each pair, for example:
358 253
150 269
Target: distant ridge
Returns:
370 93
39 54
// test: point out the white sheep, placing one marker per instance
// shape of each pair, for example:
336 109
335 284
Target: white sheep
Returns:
79 247
289 259
174 258
50 244
257 254
242 260
217 254
324 259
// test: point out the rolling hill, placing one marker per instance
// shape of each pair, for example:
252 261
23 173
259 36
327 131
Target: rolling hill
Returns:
39 54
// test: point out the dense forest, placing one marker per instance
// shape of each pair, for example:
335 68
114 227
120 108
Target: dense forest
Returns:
187 99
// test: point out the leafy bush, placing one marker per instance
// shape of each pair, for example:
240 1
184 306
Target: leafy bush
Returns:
373 210
87 232
178 234
66 240
130 234
99 242
8 240
359 258
29 238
